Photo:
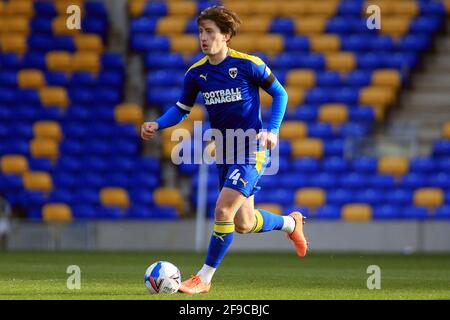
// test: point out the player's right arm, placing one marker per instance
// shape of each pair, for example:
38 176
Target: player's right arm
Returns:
175 114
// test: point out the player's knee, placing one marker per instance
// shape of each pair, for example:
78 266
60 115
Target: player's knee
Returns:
223 214
243 227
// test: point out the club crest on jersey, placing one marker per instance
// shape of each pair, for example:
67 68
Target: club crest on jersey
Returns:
232 72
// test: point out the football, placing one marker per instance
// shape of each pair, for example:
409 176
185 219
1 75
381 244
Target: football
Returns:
162 277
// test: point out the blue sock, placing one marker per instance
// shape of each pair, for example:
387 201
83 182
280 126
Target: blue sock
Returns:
221 239
267 221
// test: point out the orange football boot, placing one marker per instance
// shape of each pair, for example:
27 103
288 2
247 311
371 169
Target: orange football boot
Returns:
194 285
297 236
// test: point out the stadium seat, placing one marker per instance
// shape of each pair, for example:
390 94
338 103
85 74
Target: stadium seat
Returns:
393 165
129 113
301 78
429 197
37 181
30 79
310 25
14 164
446 130
114 197
308 148
356 212
185 44
54 96
169 197
57 212
89 43
59 61
293 130
86 61
44 148
325 43
310 197
181 8
271 207
335 114
342 61
386 77
47 130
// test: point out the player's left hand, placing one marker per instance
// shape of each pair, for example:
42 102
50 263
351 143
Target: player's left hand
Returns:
267 139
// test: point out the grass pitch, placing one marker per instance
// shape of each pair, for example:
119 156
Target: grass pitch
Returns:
253 276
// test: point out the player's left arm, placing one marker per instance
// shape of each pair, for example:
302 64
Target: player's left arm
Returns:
267 80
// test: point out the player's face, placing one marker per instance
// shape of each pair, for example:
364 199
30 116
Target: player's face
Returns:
212 41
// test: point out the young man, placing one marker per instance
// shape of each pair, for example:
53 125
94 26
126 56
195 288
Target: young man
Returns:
230 81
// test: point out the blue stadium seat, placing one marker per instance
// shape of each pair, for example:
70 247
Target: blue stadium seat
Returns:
155 9
443 164
146 179
365 165
87 196
328 212
282 25
164 213
346 95
61 196
413 181
335 165
417 213
308 165
339 25
350 8
291 208
382 181
10 61
324 180
439 180
401 197
139 212
414 42
382 43
328 79
83 211
340 197
421 165
387 212
109 213
359 78
295 44
145 43
42 8
34 60
321 130
441 148
65 180
291 181
442 212
40 164
165 78
370 196
56 78
353 181
334 147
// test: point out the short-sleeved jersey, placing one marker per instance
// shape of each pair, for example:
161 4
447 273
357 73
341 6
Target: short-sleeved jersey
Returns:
230 90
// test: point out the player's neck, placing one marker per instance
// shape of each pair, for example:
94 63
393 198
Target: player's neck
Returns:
218 57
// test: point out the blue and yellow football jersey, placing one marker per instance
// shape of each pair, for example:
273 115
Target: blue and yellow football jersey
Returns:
230 90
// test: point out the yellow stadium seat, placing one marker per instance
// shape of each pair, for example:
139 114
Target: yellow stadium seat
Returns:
293 130
86 61
310 25
185 44
59 27
56 212
197 113
15 25
405 8
169 197
393 165
14 164
182 8
256 25
265 99
19 8
59 61
89 43
37 181
242 8
293 8
447 6
47 130
446 130
13 43
271 207
54 96
386 7
129 113
333 113
244 43
270 44
428 197
114 197
2 8
307 148
325 43
341 61
265 7
62 5
30 79
356 212
384 96
395 26
303 78
387 78
296 96
171 25
325 8
310 197
44 148
136 7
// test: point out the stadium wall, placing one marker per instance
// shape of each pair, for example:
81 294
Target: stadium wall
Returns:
392 236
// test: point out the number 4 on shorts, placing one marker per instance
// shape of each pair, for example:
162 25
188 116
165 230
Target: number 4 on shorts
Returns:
235 175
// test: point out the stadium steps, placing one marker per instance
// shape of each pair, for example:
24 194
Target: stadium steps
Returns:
424 106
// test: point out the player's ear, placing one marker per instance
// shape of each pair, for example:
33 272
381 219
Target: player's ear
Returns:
227 36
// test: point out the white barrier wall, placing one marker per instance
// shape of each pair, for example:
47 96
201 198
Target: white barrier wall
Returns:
379 236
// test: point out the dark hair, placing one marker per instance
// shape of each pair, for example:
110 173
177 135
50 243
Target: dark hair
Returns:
227 20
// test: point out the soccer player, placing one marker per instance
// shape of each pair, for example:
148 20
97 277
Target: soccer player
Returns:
229 81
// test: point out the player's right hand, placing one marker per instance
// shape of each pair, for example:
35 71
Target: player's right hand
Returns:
148 130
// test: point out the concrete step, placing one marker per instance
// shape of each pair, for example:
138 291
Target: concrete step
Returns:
437 63
443 45
431 98
433 81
